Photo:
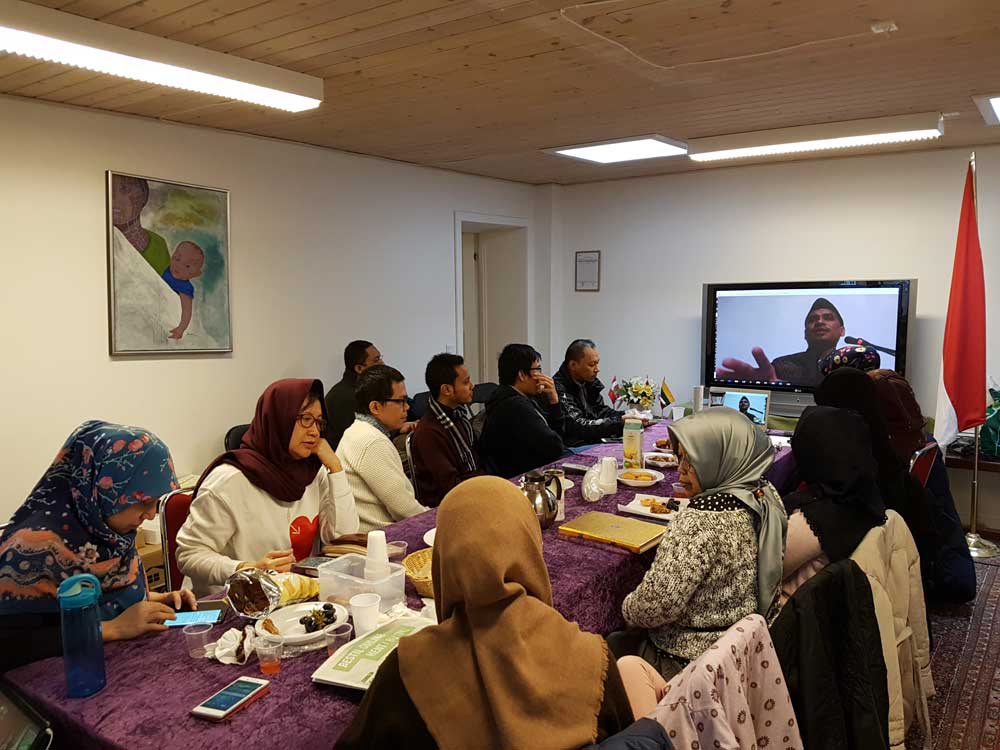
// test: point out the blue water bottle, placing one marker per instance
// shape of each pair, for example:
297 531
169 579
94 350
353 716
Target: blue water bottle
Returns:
82 642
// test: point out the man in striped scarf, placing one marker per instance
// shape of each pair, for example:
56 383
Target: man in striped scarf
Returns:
443 454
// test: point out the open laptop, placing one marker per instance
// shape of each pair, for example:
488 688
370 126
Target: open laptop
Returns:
21 727
754 404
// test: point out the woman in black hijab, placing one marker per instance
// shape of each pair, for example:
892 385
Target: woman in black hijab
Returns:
839 501
848 388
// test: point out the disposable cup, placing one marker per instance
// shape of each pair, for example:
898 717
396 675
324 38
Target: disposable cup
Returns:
364 611
197 637
337 637
677 412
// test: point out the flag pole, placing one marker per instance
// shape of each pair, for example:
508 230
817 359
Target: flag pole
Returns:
978 547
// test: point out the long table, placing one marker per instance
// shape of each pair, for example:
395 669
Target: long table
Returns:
153 683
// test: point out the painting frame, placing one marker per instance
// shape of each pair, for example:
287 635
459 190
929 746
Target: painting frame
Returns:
584 261
115 347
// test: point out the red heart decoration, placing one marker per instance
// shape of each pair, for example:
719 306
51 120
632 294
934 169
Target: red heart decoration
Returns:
302 533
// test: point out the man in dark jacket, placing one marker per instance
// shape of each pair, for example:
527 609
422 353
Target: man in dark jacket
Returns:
524 417
358 357
588 418
442 444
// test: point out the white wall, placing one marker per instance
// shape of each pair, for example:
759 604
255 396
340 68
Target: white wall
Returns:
325 247
892 216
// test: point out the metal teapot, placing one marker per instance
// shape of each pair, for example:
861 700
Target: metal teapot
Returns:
544 500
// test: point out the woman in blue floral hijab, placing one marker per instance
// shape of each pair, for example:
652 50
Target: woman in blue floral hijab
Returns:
82 517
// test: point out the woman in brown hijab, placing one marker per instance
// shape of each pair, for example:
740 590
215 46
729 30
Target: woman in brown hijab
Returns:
502 669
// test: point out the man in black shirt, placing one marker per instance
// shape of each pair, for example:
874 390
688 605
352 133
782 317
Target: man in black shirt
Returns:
588 418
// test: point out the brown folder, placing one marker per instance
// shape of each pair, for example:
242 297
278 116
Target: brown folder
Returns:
628 533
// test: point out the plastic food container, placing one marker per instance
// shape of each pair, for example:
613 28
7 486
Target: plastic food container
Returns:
343 577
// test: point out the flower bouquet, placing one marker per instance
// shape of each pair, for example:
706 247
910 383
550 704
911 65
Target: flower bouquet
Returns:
638 395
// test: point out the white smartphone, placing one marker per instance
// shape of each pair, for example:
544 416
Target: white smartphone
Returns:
231 698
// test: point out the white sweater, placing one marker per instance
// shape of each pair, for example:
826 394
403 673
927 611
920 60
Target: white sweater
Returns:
233 521
375 472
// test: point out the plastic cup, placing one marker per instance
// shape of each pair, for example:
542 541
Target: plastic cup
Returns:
197 637
337 637
677 412
364 611
396 550
377 558
679 490
269 656
609 474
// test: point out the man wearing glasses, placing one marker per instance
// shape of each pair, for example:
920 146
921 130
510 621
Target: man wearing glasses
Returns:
524 418
374 469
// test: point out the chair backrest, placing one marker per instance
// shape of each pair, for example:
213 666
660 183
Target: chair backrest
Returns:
482 391
409 461
923 461
419 406
235 436
174 508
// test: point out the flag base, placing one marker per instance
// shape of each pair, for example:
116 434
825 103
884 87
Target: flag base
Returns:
979 547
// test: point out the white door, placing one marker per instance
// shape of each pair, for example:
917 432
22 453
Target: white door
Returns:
471 322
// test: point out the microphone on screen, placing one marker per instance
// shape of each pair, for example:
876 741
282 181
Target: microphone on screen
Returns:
863 342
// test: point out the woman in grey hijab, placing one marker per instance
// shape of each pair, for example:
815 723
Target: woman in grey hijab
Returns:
721 557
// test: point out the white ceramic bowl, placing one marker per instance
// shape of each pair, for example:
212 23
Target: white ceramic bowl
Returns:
657 477
293 633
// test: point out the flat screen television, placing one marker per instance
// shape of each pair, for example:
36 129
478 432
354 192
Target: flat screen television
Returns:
776 335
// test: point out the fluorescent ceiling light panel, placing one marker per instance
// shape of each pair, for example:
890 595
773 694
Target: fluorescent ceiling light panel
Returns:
46 34
852 134
989 108
625 149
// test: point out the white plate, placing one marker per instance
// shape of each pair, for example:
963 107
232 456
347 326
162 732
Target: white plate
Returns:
657 477
671 459
293 633
429 537
636 508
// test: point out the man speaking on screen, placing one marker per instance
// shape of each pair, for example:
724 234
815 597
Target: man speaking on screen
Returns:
824 328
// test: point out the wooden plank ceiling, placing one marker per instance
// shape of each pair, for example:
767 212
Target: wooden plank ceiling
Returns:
480 86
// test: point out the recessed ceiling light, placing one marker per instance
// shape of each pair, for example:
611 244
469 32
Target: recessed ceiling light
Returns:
54 36
989 108
624 149
852 134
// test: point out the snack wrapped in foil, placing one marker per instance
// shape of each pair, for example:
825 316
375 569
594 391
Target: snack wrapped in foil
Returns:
257 593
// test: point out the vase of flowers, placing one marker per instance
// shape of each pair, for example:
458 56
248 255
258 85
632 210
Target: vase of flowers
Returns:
637 393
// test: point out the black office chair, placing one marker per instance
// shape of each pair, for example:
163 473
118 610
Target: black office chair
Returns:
235 436
419 405
481 392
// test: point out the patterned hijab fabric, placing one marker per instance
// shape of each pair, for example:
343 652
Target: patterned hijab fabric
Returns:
903 416
734 695
731 456
862 357
61 529
263 456
518 674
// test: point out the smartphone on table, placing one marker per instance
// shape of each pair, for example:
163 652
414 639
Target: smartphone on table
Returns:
234 696
309 566
211 611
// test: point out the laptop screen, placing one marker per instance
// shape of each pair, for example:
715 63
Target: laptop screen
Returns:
754 404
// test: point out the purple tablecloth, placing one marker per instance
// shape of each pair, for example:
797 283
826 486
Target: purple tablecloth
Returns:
153 683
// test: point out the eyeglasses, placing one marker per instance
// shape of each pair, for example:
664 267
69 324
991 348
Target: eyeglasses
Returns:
400 401
534 369
308 420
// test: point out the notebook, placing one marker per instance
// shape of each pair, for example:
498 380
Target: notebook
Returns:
628 533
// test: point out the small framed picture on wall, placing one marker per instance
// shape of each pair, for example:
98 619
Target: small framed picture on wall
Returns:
588 271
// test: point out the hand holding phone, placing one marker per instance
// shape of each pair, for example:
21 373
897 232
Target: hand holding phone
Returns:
234 696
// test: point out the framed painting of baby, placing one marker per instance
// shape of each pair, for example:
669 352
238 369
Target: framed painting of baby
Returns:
168 267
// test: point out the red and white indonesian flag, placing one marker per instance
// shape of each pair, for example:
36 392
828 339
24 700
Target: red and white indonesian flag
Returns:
961 402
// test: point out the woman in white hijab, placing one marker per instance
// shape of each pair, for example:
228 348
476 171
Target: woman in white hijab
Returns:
721 557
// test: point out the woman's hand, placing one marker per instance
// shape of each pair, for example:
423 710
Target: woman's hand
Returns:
139 619
280 560
327 456
175 599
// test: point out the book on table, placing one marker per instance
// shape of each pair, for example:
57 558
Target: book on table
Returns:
628 533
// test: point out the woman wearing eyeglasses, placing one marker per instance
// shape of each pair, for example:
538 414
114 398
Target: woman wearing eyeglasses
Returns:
262 505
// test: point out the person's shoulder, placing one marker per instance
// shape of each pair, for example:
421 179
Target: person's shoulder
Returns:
792 359
225 478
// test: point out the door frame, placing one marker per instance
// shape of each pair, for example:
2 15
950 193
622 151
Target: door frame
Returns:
475 223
